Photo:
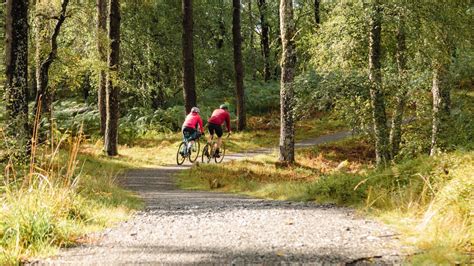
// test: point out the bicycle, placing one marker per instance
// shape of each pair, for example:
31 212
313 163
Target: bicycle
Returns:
187 150
208 151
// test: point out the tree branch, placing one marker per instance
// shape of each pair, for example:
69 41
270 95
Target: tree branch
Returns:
54 38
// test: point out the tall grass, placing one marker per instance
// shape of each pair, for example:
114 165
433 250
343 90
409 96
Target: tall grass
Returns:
52 202
430 200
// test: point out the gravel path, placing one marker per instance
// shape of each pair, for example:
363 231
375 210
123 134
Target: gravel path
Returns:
195 227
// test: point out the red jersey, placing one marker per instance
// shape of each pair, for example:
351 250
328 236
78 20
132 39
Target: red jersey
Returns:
192 120
219 116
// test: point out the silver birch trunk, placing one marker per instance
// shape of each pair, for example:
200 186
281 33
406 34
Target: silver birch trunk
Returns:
288 62
440 112
397 119
382 153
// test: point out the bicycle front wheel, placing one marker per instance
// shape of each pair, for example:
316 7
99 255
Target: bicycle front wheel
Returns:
194 153
206 153
180 155
222 154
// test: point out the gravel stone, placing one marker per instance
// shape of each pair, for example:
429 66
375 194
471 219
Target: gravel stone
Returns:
198 227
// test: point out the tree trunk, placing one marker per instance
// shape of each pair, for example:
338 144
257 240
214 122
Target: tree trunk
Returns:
16 57
86 86
440 111
238 66
317 16
441 94
265 40
32 80
220 64
112 88
288 63
102 49
251 45
189 81
157 94
397 119
43 94
382 153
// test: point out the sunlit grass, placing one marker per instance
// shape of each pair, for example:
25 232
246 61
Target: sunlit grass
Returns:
65 195
261 175
160 149
428 200
51 213
37 220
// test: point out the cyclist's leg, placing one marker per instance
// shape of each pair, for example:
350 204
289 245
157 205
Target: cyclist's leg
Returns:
219 134
186 134
211 133
192 137
189 134
219 143
212 129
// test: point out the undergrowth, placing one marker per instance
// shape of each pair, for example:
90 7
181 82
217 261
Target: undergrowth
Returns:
428 199
56 198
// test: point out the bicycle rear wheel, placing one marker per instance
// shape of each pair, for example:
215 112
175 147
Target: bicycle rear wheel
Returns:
206 153
222 153
181 157
194 153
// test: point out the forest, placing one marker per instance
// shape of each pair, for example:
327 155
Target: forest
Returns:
91 89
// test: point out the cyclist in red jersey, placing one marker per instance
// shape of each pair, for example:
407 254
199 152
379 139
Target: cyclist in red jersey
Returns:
190 125
218 117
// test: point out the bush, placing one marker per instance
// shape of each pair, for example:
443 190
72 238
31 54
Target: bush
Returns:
262 97
136 122
140 121
71 115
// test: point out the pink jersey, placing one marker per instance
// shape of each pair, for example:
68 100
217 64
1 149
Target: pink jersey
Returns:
219 116
192 120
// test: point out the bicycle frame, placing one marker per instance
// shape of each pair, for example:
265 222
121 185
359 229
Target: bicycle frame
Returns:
209 150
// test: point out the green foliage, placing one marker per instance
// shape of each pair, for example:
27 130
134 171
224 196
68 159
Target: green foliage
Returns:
460 135
262 97
346 93
334 71
72 115
140 121
341 42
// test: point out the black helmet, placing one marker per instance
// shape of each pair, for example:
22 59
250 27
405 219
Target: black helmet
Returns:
224 106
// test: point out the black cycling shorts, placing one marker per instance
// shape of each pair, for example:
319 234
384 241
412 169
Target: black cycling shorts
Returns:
190 133
215 128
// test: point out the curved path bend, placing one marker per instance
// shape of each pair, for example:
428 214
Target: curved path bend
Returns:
197 227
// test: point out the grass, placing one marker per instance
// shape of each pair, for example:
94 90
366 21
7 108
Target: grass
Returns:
73 189
261 176
429 200
65 195
160 148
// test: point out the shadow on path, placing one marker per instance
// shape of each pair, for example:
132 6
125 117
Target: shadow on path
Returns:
199 227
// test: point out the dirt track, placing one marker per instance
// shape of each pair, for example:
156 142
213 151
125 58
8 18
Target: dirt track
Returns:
195 227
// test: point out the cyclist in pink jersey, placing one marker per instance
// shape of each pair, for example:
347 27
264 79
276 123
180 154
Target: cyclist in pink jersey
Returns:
218 117
191 123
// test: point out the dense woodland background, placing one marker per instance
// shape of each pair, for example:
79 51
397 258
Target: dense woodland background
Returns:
398 72
397 51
